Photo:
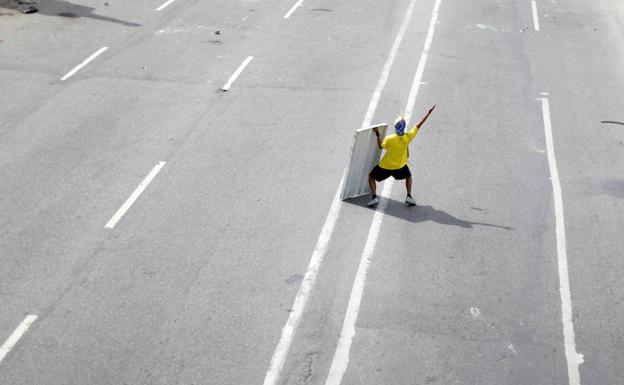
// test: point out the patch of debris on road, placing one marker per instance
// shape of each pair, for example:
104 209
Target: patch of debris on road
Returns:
23 6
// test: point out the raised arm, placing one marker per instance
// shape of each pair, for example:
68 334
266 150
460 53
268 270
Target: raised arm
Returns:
378 137
422 121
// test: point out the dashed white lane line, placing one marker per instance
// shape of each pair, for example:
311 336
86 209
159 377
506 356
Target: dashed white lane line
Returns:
165 5
236 73
17 334
294 7
84 63
535 17
294 318
135 195
573 358
340 361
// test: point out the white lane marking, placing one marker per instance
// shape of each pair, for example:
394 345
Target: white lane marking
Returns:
294 7
236 73
135 195
165 5
535 18
283 347
84 63
17 334
385 72
574 359
341 356
294 318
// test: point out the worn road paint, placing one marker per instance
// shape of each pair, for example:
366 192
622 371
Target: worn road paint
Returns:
294 7
236 73
341 356
573 358
17 334
535 17
164 5
283 347
134 196
84 63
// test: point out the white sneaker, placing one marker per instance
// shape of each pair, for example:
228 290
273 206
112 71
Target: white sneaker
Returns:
373 202
410 201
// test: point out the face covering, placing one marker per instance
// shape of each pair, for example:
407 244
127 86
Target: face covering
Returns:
399 126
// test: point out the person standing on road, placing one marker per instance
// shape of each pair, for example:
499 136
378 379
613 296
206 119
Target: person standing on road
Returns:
394 163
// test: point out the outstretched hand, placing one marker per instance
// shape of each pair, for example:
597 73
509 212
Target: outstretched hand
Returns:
424 119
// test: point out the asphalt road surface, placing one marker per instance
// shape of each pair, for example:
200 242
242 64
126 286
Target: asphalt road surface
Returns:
157 229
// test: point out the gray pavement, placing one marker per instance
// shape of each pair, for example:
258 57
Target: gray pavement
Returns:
195 282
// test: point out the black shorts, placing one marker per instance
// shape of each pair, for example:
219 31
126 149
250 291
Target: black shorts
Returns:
380 173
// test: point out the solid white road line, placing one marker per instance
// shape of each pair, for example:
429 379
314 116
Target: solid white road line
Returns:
236 73
573 358
341 356
294 7
84 63
17 334
283 347
385 72
294 318
164 5
135 195
535 17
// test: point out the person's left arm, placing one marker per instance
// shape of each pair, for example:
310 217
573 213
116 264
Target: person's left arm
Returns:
424 119
412 133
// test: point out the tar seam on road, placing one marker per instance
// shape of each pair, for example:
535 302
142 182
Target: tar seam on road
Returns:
135 195
283 347
165 5
535 17
340 361
294 7
236 73
573 358
17 334
84 63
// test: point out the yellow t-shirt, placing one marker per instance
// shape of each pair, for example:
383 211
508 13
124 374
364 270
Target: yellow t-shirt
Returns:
396 149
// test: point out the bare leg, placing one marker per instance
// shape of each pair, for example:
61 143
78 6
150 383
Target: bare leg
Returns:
408 185
372 185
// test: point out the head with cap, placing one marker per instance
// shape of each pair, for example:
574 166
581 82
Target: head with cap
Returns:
399 125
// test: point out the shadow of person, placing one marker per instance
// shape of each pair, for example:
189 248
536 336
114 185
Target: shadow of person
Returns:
420 213
67 9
